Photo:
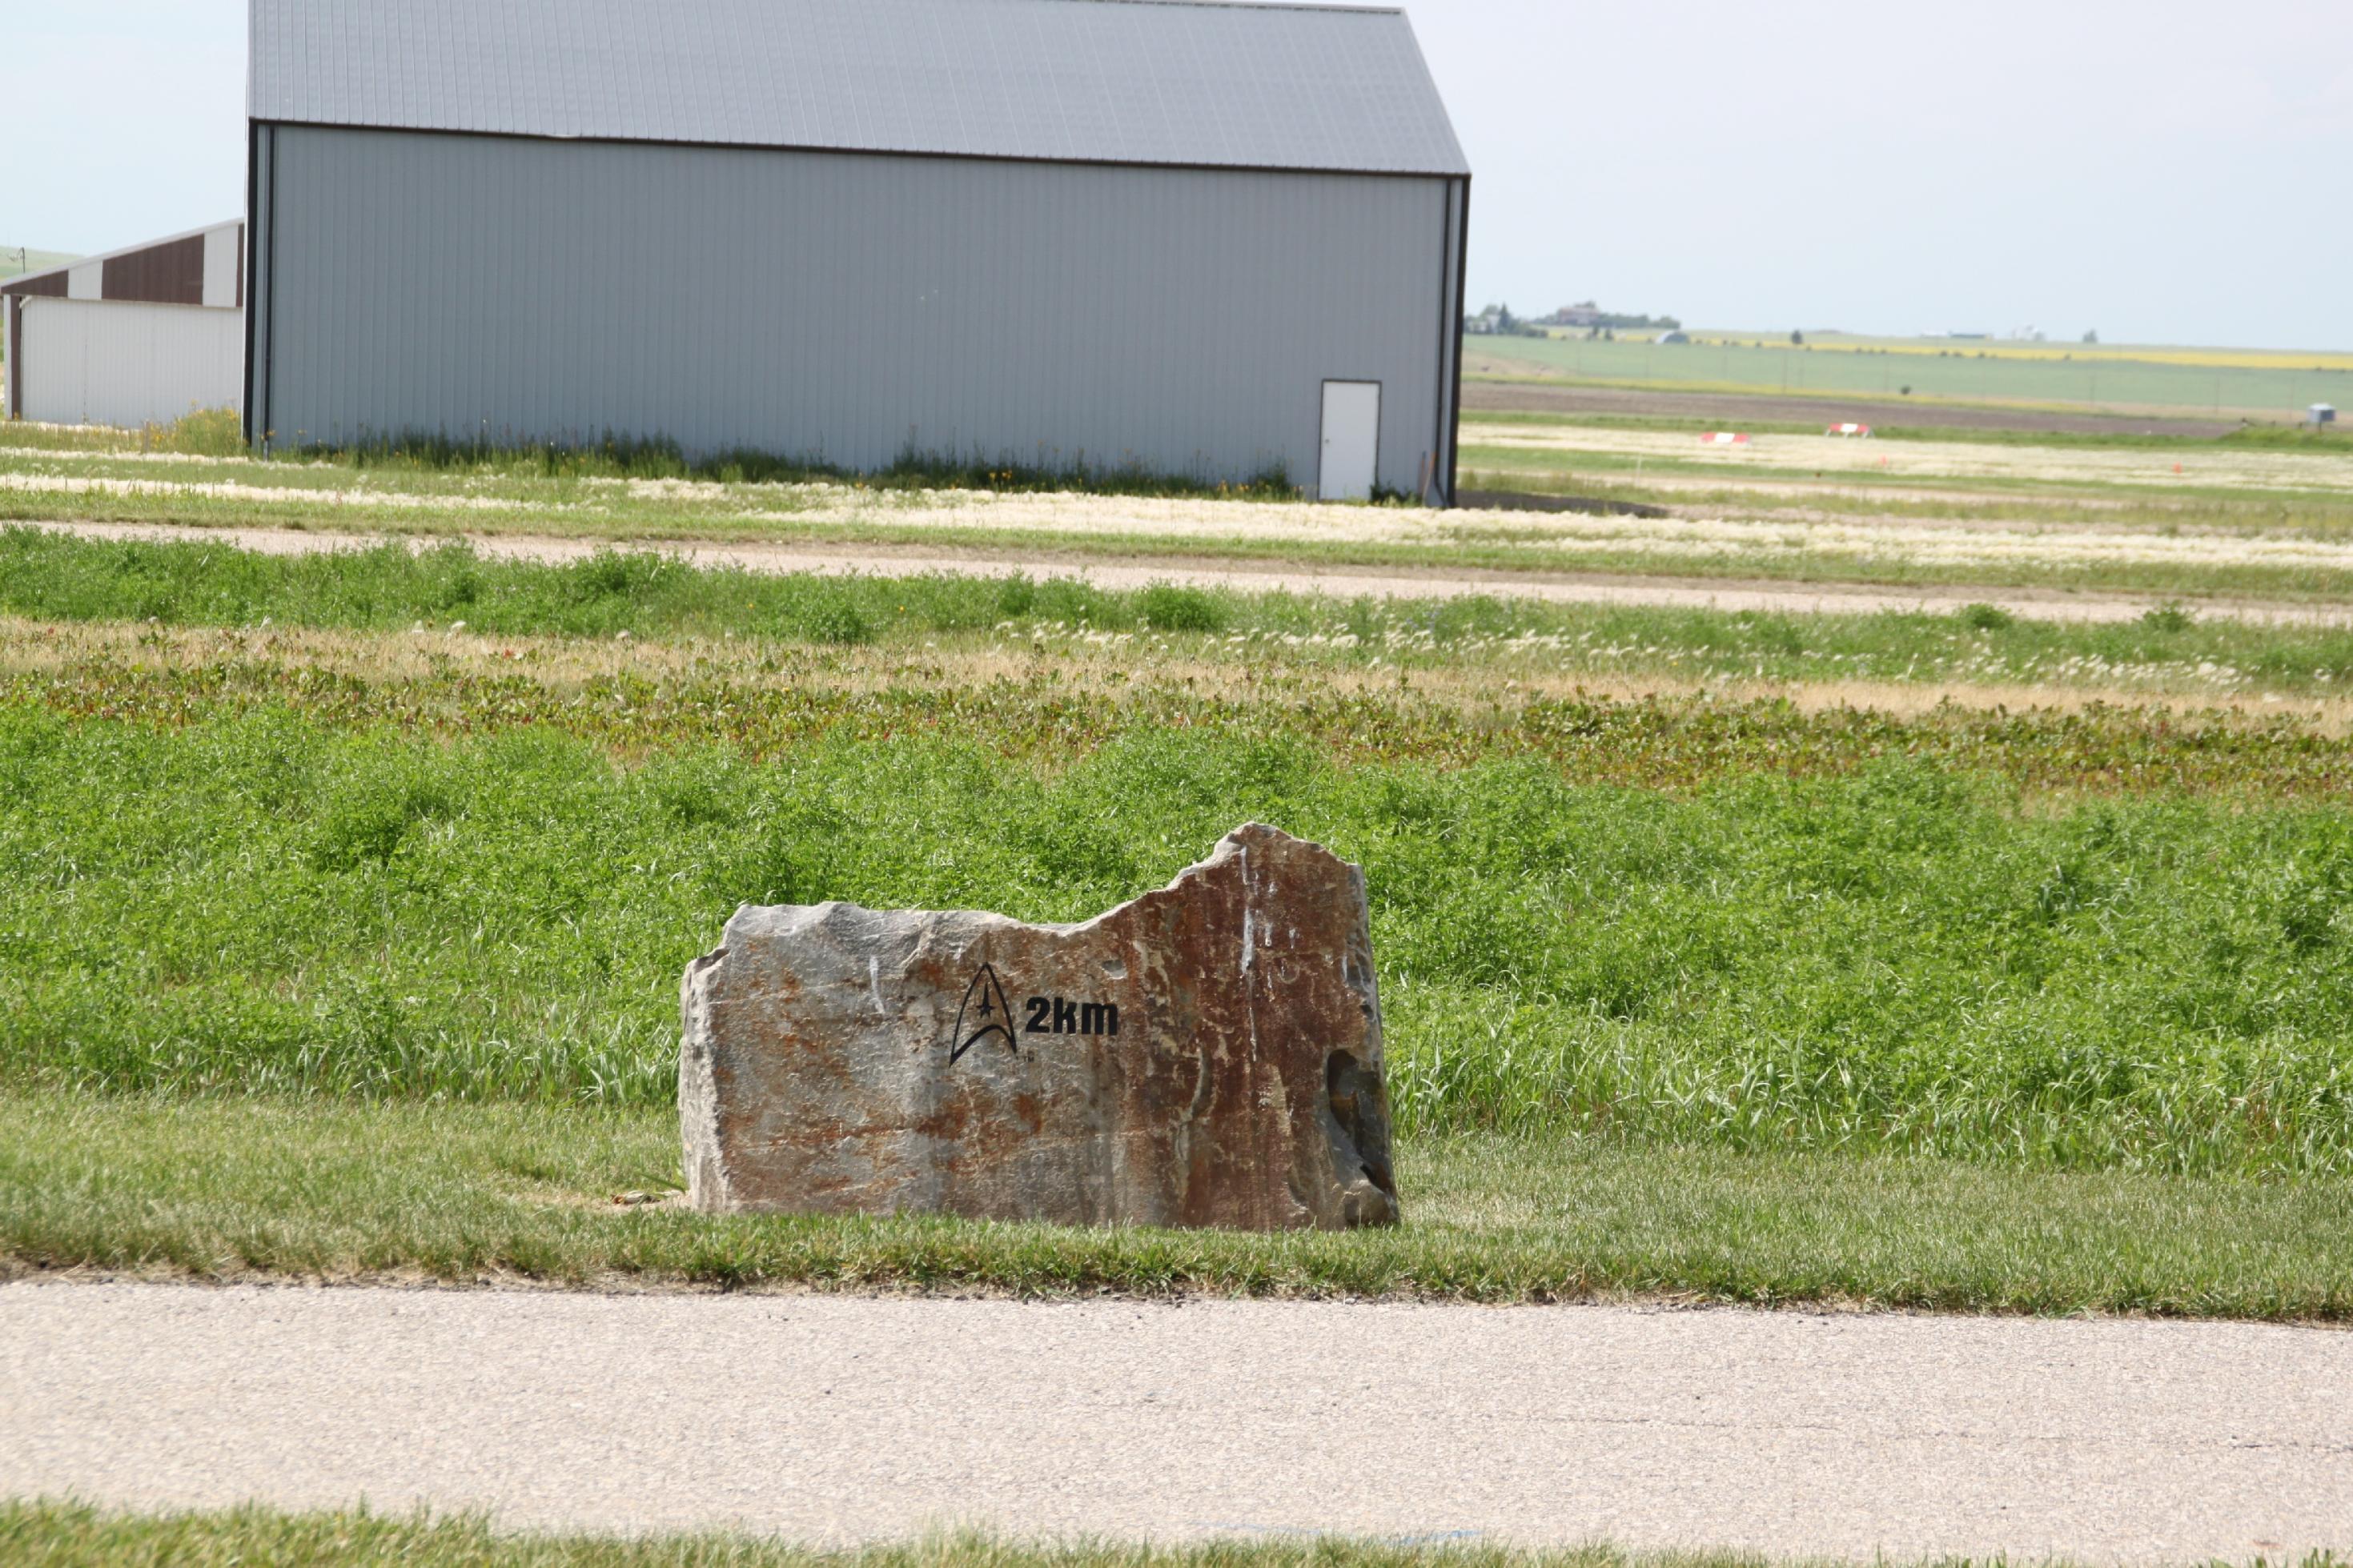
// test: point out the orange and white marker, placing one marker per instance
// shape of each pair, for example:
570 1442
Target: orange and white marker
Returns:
1724 438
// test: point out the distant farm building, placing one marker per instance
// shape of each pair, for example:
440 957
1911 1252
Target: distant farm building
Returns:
1205 240
134 337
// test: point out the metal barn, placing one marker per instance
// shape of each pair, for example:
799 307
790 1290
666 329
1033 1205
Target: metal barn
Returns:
1199 239
135 337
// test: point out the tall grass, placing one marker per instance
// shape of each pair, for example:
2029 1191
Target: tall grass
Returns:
1897 959
612 456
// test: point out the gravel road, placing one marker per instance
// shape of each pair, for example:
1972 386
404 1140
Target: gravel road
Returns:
839 1419
1338 582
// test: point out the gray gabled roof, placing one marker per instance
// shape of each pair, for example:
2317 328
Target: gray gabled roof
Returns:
1134 81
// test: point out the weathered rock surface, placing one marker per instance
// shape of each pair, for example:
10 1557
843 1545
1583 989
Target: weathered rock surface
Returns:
1207 1055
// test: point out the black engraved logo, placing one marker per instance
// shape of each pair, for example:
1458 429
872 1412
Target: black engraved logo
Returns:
984 1014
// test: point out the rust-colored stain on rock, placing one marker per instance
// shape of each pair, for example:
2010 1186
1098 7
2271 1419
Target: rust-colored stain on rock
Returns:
1207 1055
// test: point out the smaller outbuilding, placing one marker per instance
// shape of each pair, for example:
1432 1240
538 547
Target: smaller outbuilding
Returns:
139 336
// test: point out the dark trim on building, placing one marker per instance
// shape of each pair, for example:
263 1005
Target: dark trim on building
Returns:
244 264
170 274
1462 303
16 357
871 152
48 286
270 301
1446 389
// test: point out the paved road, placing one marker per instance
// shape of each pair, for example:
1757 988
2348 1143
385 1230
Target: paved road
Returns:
1594 588
839 1419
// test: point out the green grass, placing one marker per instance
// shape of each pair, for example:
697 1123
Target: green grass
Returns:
1895 956
51 577
219 432
232 1188
1068 699
1449 543
520 494
1964 373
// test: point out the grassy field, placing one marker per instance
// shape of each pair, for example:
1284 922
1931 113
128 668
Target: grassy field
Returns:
353 955
2269 519
1946 959
1502 645
1887 957
394 865
2275 388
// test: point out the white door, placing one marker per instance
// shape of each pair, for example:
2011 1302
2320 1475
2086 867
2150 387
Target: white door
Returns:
1352 440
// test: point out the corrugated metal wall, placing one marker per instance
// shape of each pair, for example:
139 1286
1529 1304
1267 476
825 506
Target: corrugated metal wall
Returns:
110 362
846 307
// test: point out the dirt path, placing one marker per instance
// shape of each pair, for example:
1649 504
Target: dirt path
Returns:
840 1420
1338 582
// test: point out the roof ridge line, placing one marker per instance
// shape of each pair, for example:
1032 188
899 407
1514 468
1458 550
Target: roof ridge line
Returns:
119 252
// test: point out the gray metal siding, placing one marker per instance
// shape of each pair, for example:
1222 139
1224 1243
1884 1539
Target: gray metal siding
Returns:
1275 87
848 307
102 362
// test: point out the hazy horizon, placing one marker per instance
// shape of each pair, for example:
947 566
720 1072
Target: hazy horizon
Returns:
2160 179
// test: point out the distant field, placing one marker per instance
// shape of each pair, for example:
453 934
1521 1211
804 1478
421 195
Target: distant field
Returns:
15 264
2233 383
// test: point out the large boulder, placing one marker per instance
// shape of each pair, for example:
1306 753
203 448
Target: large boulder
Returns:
1207 1055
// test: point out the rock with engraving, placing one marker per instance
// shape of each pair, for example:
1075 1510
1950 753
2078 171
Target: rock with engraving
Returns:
1207 1055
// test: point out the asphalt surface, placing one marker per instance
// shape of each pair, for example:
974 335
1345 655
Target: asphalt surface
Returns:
1595 588
837 1420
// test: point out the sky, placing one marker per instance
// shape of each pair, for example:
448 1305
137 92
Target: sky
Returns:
2159 173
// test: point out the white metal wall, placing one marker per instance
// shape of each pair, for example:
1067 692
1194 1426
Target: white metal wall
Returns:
109 362
843 306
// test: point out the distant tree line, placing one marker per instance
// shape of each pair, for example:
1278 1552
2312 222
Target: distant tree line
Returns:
1500 321
1589 314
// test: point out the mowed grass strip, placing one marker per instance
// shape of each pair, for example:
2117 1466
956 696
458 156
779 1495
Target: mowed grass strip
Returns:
1901 956
47 576
225 1189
